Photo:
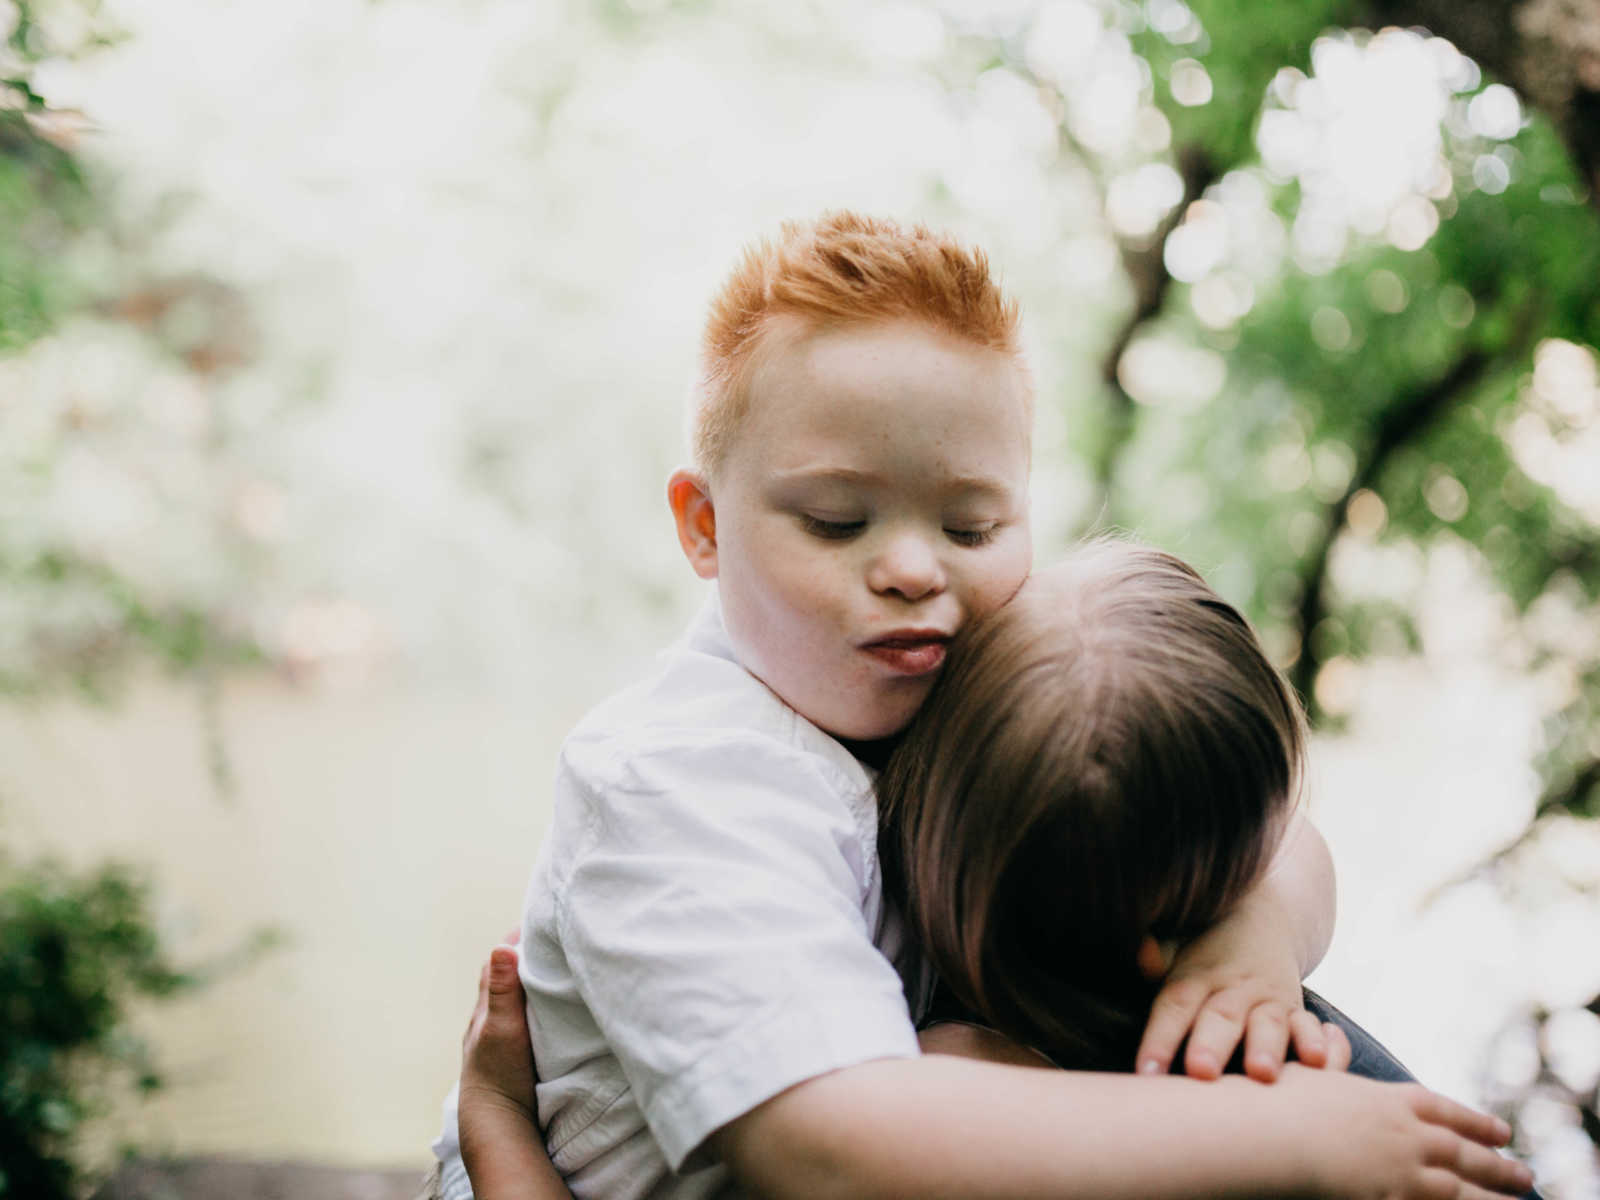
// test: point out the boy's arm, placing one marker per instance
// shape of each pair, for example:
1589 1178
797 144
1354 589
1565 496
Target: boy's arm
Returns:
912 1128
938 1127
1241 979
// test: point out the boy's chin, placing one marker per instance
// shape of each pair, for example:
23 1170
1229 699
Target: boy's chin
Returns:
863 729
884 720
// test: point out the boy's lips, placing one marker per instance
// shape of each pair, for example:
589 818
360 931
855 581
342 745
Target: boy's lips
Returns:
910 652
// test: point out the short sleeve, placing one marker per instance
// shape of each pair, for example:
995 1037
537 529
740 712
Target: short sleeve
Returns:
716 921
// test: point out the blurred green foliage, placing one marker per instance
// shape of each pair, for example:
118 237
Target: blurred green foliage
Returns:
1379 373
75 950
77 617
1372 396
43 194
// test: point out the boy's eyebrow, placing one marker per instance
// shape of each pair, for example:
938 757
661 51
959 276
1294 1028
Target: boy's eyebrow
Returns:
826 475
965 485
985 486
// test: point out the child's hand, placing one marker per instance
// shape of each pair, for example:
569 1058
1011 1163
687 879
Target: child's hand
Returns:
1238 981
496 1052
1400 1141
497 1113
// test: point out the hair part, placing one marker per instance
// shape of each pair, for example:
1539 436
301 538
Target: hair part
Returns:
1107 757
842 268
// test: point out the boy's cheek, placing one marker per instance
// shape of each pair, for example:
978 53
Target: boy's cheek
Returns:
1008 568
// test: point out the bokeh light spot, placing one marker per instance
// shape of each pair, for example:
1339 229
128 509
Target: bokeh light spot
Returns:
1456 306
1338 686
1387 291
1413 221
1445 495
1199 245
1366 514
1191 84
1495 112
1138 200
1330 329
1491 174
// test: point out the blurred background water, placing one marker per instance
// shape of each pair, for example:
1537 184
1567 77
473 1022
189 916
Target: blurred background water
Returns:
343 355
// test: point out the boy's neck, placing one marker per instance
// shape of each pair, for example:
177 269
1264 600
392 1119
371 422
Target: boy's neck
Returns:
874 753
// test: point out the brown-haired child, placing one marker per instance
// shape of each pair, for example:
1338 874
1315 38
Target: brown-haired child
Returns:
1103 770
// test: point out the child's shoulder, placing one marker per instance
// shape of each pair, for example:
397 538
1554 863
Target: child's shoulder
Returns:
701 760
698 705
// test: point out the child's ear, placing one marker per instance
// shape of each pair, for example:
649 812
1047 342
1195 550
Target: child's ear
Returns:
692 509
1155 958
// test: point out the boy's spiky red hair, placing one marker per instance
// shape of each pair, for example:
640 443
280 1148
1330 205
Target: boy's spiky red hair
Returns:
842 268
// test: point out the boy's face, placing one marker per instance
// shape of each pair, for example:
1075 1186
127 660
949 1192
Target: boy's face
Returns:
873 500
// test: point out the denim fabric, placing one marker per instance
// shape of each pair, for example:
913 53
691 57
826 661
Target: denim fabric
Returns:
1368 1056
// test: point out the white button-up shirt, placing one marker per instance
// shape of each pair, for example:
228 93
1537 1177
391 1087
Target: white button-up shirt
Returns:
703 928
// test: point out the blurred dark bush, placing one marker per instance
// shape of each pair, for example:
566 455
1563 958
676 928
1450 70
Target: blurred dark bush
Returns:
76 950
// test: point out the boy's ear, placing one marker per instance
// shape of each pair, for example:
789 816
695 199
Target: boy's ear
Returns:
692 509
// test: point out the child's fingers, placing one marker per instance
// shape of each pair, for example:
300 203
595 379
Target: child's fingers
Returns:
501 971
1445 1183
1475 1164
1217 1031
1468 1122
1266 1042
1310 1043
1170 1018
1457 1190
1338 1048
512 937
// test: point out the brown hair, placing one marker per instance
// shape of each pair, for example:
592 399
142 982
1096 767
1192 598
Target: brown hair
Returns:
1108 756
841 268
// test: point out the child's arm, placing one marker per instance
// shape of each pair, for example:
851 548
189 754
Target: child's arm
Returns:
1241 980
938 1127
500 1141
909 1128
913 1128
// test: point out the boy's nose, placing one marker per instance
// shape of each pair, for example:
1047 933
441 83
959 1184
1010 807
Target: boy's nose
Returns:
907 567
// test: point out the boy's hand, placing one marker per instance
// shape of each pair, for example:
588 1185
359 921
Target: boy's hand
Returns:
496 1051
1396 1140
1238 981
497 1113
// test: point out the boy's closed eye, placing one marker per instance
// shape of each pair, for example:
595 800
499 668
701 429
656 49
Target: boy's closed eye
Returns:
831 530
836 530
975 536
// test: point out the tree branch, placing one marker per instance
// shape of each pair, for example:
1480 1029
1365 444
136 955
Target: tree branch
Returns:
1411 415
1144 262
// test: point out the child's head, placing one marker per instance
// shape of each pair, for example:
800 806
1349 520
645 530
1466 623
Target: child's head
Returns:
1108 758
862 450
